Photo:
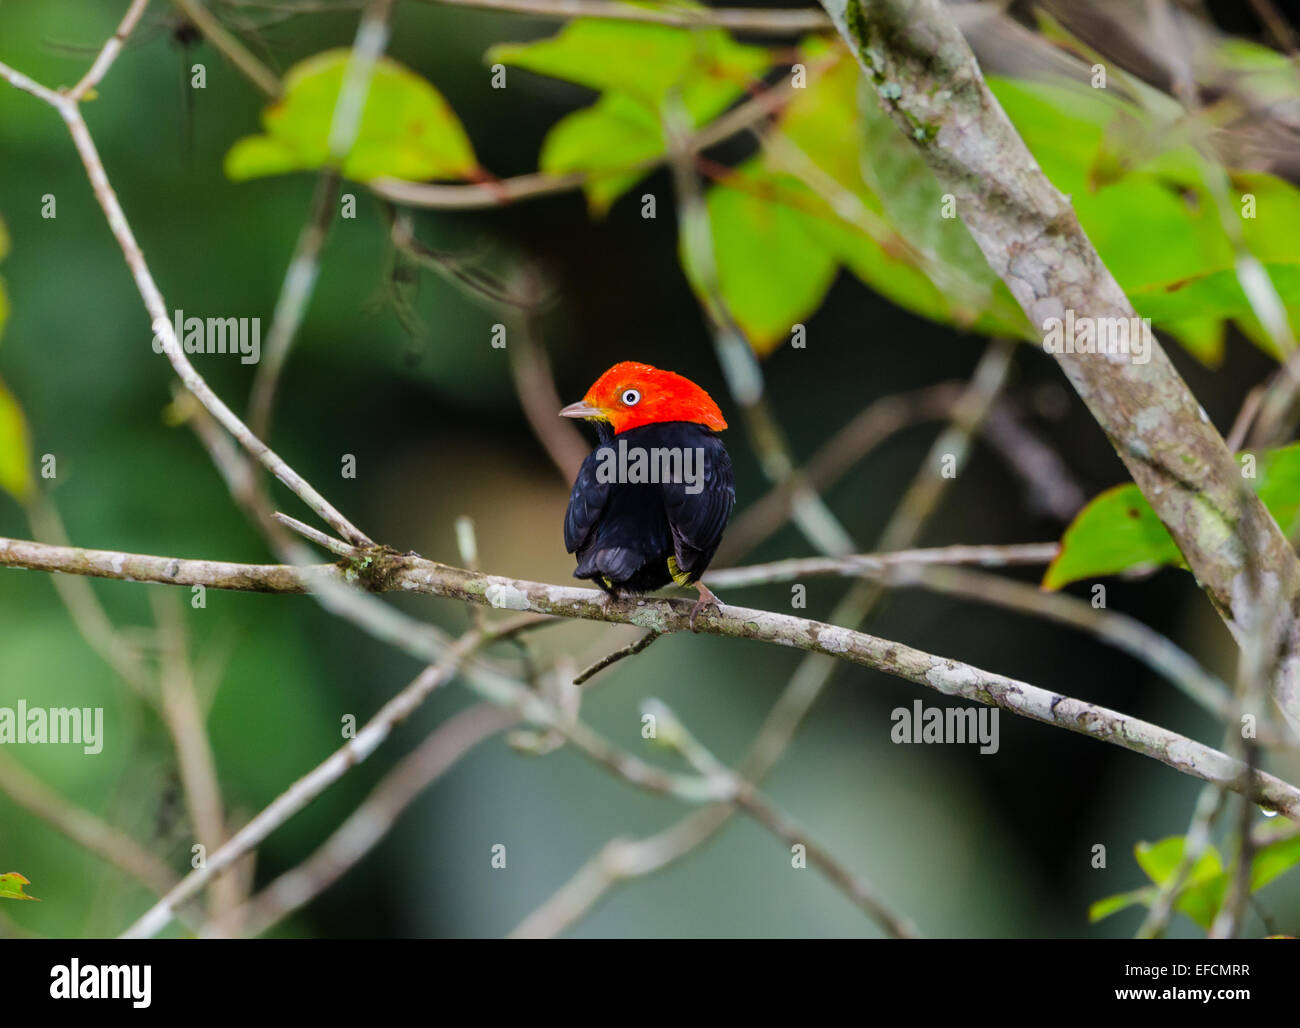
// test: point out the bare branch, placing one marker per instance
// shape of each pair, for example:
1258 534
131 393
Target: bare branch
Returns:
385 571
184 717
630 650
231 48
1016 555
304 266
673 733
307 788
83 827
109 53
499 192
370 822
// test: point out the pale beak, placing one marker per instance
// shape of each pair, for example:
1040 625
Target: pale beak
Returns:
582 410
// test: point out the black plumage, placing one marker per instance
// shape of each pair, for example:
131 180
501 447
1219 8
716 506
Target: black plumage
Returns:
635 536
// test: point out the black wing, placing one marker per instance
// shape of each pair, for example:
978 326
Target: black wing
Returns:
586 504
698 518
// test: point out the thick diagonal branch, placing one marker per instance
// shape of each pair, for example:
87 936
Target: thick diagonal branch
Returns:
930 84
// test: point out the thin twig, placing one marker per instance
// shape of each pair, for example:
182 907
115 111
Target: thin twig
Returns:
1015 555
315 535
84 828
304 266
231 48
162 326
734 351
184 717
631 650
671 732
307 788
500 192
370 822
109 53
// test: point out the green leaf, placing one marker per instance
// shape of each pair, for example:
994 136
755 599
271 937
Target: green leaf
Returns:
914 257
1201 899
1160 859
1273 861
1121 901
635 66
643 61
604 140
822 121
15 458
1216 294
1202 337
11 887
1121 198
1118 531
1201 902
407 129
1132 179
1260 70
772 271
1206 885
912 199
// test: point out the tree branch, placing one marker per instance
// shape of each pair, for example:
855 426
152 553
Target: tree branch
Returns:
379 570
1031 238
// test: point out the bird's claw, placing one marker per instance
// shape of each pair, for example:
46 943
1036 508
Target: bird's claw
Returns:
706 600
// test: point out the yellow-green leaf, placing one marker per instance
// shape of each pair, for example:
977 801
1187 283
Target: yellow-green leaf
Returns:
1130 180
772 271
15 449
1216 294
604 140
635 66
706 66
1160 859
407 131
1103 908
1118 531
1274 860
11 887
859 169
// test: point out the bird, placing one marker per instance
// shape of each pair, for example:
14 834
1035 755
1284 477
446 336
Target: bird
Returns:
651 501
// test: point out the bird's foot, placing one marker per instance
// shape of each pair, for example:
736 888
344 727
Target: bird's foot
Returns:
706 600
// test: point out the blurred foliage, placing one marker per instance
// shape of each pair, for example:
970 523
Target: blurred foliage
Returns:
634 67
1206 884
15 472
407 131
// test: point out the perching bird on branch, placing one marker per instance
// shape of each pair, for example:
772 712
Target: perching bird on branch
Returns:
652 500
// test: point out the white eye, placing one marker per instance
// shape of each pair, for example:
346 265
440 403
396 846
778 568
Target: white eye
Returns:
630 397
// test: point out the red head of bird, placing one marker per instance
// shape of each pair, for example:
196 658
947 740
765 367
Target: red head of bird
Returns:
630 395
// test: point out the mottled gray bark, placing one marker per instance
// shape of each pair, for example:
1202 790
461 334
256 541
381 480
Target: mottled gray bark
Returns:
929 82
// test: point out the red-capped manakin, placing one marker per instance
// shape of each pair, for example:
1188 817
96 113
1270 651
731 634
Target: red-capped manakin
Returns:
652 499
